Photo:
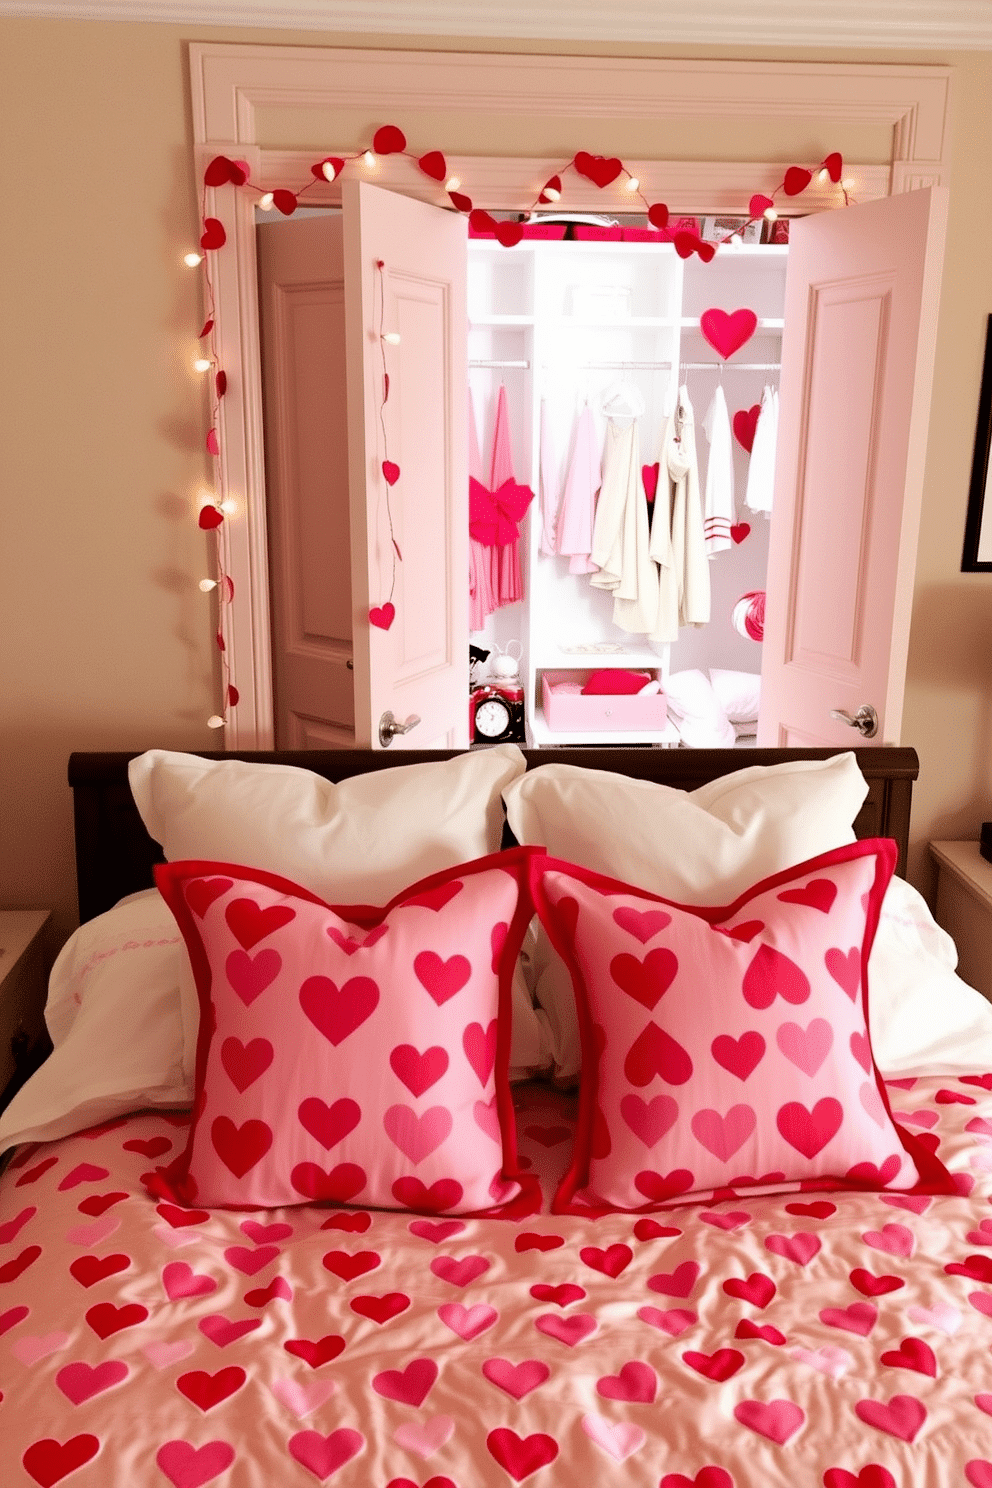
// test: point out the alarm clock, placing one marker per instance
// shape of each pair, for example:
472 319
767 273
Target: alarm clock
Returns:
496 714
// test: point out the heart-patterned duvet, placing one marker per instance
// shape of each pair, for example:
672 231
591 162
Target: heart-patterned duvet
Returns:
843 1340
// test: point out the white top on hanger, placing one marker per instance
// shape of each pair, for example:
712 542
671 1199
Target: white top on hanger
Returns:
622 400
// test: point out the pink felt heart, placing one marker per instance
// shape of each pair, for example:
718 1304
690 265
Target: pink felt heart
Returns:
673 1321
467 1322
323 1455
433 164
723 1135
516 1380
382 616
649 476
599 169
388 140
390 472
677 1283
727 333
759 204
745 422
480 1049
214 235
902 1416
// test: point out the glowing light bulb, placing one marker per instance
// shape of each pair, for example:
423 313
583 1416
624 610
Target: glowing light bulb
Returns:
737 241
369 159
229 507
824 175
393 337
454 184
633 184
328 170
206 585
191 260
215 721
770 214
202 364
265 203
848 183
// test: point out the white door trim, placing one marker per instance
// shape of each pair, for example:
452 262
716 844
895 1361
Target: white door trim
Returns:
230 83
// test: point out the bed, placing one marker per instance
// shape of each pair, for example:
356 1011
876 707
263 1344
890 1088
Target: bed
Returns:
169 1315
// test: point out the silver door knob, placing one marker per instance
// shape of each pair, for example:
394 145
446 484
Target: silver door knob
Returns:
865 720
389 727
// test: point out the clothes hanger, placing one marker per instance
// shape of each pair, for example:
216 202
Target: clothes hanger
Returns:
621 399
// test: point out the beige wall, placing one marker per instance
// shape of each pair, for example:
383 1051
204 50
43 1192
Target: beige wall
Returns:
105 640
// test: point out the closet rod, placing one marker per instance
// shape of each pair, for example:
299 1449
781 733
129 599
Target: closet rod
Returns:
685 366
731 366
498 364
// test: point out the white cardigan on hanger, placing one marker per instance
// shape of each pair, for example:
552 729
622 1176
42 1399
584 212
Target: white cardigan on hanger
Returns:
680 550
621 540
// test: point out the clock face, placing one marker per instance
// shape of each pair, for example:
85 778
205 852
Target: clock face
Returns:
492 718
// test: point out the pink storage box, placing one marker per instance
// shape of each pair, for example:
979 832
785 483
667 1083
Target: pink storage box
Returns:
568 711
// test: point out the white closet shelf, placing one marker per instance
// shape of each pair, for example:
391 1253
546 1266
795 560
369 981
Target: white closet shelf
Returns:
631 658
769 323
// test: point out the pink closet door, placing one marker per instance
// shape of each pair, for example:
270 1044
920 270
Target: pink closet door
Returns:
862 292
301 305
419 666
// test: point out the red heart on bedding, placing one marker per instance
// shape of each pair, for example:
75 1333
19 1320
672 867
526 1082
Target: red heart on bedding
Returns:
89 1269
315 1351
338 1186
745 423
655 1052
707 1477
49 1461
15 1268
323 1455
249 923
240 1147
337 1011
440 978
201 892
661 1186
727 333
105 1319
380 1309
645 981
329 1124
600 169
245 1063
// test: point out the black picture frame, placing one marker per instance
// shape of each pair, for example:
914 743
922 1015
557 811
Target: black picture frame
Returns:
977 556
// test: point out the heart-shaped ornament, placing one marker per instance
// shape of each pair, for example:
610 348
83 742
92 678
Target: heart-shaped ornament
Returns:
388 140
382 616
509 233
727 333
390 472
209 518
658 214
433 164
797 178
745 425
759 204
213 235
481 222
649 475
834 166
221 170
688 243
285 201
739 531
460 201
599 169
327 169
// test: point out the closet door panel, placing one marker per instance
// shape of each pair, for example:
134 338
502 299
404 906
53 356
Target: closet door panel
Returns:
862 292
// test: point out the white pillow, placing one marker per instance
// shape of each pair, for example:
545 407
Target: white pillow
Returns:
700 847
697 712
113 1013
738 693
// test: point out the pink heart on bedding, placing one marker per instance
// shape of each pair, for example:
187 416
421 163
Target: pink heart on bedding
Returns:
459 1271
894 1239
79 1382
649 1120
828 1359
250 976
302 1399
250 1262
163 1354
28 1350
222 1331
673 1321
517 1380
424 1437
800 1247
417 1136
89 1236
411 1386
619 1440
776 1419
467 1322
323 1455
902 1416
480 1049
180 1280
859 1317
568 1330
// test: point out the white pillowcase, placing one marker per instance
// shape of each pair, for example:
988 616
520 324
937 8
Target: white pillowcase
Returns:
697 712
113 1013
738 693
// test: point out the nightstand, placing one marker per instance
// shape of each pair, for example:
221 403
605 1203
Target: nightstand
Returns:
24 964
964 908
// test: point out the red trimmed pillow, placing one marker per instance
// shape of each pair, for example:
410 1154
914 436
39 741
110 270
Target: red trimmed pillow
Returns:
728 1048
352 1055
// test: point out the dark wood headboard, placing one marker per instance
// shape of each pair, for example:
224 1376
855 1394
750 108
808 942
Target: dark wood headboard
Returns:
115 855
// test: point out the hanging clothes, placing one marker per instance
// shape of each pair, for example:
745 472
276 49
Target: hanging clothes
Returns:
495 511
577 514
508 578
684 595
718 502
548 545
621 539
761 471
481 598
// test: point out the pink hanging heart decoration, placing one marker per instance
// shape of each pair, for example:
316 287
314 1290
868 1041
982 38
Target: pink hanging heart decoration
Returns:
226 589
688 243
797 178
233 695
728 333
208 326
209 518
433 164
285 201
390 472
745 423
599 169
214 235
213 443
388 140
759 204
649 475
834 166
461 202
336 164
509 233
382 616
221 644
739 531
221 383
658 214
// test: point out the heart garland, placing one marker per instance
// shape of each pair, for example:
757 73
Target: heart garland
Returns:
382 616
388 139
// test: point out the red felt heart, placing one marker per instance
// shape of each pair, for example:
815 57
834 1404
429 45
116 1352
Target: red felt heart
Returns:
658 214
285 201
213 235
482 222
649 475
745 424
459 200
521 1456
388 140
599 169
797 178
336 164
687 243
390 472
221 383
221 170
509 233
759 204
834 165
49 1461
433 164
727 333
757 1289
213 443
209 518
382 616
739 531
208 326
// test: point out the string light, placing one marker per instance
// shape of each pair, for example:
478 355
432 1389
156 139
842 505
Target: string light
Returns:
266 202
228 506
633 184
369 159
454 184
392 338
202 364
215 721
205 585
770 214
824 175
192 260
328 170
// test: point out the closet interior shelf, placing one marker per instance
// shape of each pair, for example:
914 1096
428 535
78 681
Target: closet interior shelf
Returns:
634 366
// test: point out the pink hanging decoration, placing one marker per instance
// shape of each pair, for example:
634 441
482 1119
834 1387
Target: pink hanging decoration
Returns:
481 597
382 616
745 425
728 333
739 531
658 215
213 443
599 169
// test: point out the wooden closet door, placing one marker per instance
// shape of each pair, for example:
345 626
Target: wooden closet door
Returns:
862 291
301 295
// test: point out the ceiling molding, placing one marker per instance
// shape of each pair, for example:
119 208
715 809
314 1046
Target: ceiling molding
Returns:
919 25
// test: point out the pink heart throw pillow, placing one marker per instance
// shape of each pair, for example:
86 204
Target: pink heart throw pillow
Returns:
727 1048
357 1054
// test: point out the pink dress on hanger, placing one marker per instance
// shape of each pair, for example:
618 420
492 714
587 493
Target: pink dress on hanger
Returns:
576 518
481 596
508 584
